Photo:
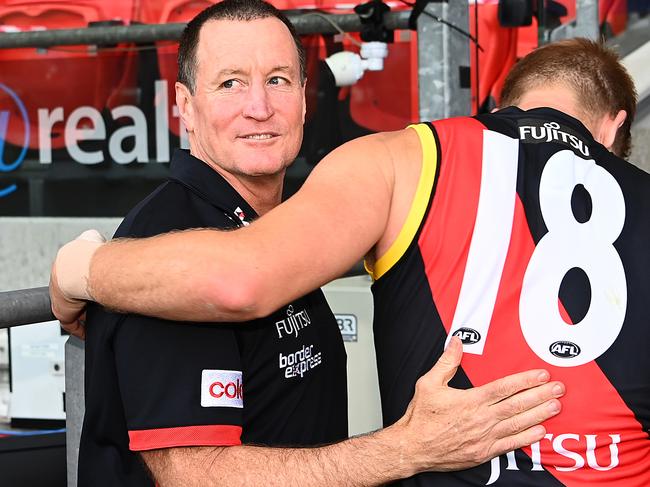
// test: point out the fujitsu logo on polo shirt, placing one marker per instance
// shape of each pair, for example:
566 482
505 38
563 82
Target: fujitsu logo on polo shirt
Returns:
222 388
297 363
293 323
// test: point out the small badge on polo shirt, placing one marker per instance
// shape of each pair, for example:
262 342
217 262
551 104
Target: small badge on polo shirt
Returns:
242 216
222 388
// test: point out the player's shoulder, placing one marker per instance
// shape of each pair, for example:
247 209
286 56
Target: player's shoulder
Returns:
400 145
633 179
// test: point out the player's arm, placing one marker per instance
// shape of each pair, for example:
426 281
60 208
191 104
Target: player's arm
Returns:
210 275
443 429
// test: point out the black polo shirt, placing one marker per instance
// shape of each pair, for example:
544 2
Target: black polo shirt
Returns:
150 383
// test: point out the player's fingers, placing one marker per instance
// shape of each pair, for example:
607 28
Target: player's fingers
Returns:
447 365
498 390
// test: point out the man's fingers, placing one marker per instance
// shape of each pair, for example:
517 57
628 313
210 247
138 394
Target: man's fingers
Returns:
523 429
528 399
70 312
528 418
446 366
498 390
519 440
76 328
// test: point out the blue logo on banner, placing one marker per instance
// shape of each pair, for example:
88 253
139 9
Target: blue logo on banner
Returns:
4 124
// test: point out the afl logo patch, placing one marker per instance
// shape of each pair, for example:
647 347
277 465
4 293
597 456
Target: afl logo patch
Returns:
564 349
467 335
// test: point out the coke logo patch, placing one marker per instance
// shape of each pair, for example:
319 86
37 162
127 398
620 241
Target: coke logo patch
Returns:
222 388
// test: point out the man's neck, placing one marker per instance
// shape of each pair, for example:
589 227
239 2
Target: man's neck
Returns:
263 193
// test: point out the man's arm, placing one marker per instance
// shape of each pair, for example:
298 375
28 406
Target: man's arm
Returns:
207 275
443 429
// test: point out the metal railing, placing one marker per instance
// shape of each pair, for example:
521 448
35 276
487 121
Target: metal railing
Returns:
305 23
24 307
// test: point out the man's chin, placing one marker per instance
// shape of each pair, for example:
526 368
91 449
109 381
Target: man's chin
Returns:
264 170
260 164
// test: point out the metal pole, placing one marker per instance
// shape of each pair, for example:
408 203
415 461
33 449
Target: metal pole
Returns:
443 62
25 307
306 23
585 24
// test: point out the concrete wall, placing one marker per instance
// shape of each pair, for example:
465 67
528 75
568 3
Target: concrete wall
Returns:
28 246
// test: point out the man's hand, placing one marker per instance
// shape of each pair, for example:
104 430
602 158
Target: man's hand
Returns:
68 281
443 429
452 429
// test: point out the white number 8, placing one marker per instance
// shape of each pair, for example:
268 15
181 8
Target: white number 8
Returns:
568 244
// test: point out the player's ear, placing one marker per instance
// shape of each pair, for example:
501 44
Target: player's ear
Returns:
185 104
609 127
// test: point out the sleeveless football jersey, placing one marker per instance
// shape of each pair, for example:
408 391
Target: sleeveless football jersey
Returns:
531 242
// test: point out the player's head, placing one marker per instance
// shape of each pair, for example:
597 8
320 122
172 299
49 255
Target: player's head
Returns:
601 85
237 10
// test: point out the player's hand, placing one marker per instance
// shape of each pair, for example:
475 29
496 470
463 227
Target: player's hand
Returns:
68 281
452 429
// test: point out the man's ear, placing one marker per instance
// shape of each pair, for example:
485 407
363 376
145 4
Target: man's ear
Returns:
304 101
609 127
184 102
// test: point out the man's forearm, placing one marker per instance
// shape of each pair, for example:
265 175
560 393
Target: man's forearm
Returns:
363 461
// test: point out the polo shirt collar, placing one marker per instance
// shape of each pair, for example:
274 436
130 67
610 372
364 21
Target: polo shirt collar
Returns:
210 185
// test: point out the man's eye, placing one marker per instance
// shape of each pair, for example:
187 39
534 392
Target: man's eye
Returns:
230 83
278 80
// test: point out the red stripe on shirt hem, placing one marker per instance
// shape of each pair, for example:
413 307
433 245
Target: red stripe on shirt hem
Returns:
211 435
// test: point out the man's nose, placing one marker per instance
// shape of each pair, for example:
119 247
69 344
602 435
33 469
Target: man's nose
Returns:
258 103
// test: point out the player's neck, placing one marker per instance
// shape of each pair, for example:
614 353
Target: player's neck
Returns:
603 128
554 96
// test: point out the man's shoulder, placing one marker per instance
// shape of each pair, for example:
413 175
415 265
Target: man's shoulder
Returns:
171 206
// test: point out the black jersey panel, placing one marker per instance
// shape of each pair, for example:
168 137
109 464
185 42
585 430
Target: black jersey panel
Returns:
409 338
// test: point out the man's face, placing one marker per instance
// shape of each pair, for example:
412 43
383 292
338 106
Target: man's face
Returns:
247 112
